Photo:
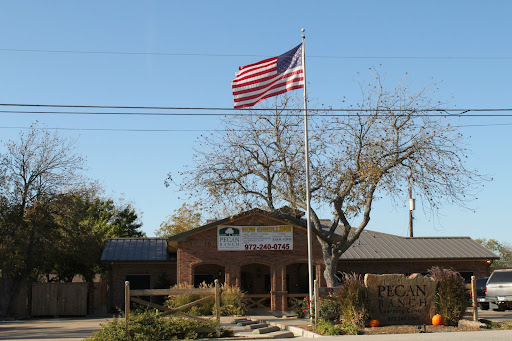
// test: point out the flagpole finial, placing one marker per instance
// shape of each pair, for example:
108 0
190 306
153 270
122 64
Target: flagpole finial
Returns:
303 36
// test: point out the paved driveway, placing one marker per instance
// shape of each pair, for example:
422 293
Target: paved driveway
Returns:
65 329
495 316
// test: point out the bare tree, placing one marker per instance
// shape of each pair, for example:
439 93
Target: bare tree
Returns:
373 149
33 171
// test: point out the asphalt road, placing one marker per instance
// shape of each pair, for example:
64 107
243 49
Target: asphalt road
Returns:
495 316
62 329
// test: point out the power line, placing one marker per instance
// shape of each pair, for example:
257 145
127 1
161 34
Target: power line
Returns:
441 112
198 130
118 129
238 114
188 54
230 109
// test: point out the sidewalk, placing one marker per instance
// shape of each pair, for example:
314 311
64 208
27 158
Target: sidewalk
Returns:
293 324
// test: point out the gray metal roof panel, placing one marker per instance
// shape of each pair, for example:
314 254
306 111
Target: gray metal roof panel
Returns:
135 249
376 245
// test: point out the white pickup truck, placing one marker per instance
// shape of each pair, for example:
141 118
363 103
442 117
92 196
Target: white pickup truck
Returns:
498 291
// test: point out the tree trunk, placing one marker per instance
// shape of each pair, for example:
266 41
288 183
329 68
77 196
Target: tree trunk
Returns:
331 264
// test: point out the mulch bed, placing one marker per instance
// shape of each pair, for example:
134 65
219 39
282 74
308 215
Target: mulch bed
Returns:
408 329
412 329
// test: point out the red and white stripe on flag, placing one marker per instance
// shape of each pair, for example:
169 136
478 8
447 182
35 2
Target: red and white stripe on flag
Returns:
267 78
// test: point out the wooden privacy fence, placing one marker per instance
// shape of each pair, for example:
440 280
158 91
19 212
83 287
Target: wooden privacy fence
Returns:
59 299
214 294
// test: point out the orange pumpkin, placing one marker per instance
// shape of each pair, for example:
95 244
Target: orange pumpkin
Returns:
437 320
374 323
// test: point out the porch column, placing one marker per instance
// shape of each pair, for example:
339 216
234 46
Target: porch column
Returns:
233 276
278 293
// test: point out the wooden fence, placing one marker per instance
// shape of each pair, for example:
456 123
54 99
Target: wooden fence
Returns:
214 294
59 299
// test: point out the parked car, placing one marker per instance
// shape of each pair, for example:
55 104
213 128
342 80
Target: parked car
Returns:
498 291
480 293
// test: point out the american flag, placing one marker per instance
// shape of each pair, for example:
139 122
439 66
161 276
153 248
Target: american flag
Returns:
270 77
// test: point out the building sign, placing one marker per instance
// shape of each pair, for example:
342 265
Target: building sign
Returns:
397 299
255 238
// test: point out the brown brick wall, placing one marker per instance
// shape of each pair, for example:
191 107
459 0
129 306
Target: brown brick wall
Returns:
120 270
201 248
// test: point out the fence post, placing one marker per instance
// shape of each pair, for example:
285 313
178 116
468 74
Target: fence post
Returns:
217 305
473 295
317 301
127 306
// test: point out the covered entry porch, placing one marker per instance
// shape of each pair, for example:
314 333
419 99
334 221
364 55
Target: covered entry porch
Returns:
272 287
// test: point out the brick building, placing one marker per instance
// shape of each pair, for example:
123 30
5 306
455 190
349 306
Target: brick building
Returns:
265 254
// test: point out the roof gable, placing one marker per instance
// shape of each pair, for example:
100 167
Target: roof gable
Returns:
278 217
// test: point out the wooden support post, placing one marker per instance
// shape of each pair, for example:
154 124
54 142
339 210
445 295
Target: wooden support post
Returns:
127 306
217 306
317 301
473 295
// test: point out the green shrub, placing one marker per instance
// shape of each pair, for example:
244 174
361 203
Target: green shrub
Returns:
326 327
301 307
451 297
176 301
353 300
232 301
329 308
149 325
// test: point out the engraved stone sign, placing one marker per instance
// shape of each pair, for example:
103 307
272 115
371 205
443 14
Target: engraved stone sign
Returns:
397 299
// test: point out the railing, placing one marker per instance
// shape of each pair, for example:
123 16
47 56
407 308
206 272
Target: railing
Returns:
214 294
294 299
257 301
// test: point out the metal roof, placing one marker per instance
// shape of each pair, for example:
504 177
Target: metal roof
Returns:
136 249
381 246
371 245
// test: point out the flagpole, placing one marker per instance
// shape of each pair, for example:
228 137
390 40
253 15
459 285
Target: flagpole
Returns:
308 194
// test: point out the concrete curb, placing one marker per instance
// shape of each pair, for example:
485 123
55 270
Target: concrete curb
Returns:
295 330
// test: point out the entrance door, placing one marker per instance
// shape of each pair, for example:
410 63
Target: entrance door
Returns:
256 283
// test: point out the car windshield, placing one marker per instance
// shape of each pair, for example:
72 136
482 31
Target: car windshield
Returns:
501 277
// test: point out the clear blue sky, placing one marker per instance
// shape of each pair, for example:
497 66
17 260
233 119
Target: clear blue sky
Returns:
188 51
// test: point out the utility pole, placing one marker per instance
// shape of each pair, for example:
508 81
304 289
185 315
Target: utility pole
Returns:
411 208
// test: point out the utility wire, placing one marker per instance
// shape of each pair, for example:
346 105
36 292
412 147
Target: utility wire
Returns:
446 114
199 130
437 112
248 55
231 109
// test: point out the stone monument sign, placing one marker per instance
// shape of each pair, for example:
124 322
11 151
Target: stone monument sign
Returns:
397 299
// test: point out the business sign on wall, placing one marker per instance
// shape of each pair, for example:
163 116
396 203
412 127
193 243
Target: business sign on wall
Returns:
254 238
